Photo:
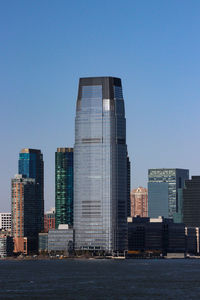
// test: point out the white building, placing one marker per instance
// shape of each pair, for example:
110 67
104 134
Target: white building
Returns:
5 221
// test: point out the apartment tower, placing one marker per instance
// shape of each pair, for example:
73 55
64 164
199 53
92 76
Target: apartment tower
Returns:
139 202
24 214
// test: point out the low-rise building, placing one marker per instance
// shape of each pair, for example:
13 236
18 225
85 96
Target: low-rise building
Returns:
61 239
155 235
6 245
43 242
5 221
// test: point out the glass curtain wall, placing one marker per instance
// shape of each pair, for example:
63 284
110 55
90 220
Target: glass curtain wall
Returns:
100 166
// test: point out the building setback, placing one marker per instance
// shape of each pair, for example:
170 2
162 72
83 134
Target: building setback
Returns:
100 166
191 202
32 166
163 186
64 175
24 214
139 202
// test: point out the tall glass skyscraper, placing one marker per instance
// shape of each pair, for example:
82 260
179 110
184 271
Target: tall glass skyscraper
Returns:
64 186
32 166
100 166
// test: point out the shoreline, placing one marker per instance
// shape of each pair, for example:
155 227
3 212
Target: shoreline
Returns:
32 258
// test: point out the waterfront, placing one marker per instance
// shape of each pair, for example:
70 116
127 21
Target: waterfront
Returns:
100 279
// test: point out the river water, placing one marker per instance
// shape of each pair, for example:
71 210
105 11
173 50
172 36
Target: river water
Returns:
100 279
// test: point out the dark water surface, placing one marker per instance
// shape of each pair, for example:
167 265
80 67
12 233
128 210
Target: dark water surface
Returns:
100 279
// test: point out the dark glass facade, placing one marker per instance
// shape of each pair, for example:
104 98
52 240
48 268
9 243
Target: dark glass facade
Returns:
128 187
100 166
163 185
157 234
64 175
191 202
32 166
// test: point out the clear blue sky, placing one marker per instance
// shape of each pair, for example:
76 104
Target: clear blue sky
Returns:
153 46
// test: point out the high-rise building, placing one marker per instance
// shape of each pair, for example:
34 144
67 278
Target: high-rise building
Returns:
100 166
163 189
128 187
32 166
5 221
139 202
64 177
191 202
24 214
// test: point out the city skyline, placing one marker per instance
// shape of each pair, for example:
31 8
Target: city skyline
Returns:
154 49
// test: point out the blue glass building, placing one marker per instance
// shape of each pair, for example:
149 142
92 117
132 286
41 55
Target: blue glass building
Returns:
163 188
100 166
32 166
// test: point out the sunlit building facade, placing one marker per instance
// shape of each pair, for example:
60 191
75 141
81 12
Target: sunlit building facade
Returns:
100 166
139 202
5 221
163 188
24 215
49 220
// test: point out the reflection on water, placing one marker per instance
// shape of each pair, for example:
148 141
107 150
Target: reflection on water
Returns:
100 279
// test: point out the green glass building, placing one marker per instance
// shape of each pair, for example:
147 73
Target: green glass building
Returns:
64 186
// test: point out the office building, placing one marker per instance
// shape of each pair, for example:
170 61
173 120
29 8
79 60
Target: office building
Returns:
139 202
24 214
6 245
163 186
191 202
32 166
100 166
64 186
43 242
61 239
155 236
49 220
5 221
178 216
128 187
192 240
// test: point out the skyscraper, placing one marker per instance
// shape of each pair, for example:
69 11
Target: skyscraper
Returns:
128 187
100 166
191 202
64 186
139 202
32 166
163 187
24 214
